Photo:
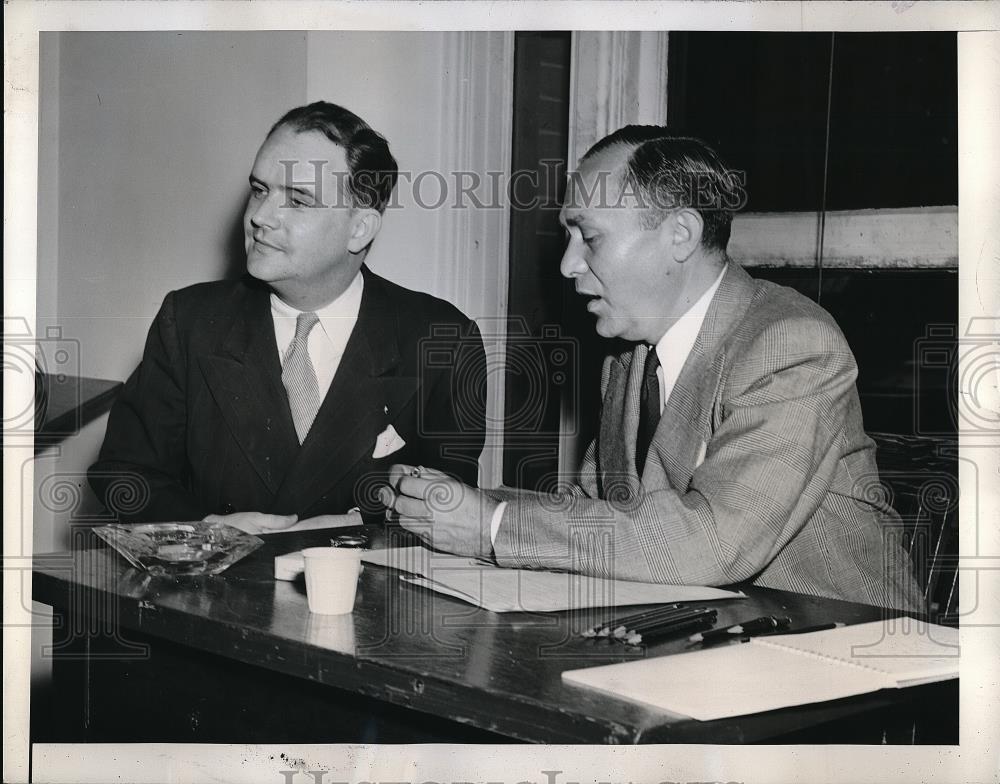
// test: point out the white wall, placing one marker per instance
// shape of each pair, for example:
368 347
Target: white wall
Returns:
393 81
157 132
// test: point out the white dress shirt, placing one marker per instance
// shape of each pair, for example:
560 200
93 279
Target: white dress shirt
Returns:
328 339
675 346
673 350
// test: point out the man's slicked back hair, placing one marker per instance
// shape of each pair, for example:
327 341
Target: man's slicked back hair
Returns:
666 171
371 168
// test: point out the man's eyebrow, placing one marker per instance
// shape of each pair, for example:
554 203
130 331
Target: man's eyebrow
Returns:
293 188
299 190
570 220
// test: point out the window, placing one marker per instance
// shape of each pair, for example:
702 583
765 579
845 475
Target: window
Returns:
889 102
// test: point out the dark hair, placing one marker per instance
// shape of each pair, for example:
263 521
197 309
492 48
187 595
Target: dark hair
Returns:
371 168
669 171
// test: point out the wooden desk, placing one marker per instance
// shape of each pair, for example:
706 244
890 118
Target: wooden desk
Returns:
71 402
238 657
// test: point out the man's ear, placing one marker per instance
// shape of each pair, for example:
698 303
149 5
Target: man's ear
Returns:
365 224
686 228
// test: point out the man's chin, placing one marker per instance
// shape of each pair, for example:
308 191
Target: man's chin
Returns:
608 328
259 268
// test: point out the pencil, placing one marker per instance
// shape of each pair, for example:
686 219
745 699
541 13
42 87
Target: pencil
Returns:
652 619
624 624
605 627
663 623
611 623
670 630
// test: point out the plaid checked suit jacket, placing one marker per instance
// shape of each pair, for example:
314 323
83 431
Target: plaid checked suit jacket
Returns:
759 469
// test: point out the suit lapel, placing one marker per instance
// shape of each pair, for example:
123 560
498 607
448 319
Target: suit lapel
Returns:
244 377
620 423
359 405
685 426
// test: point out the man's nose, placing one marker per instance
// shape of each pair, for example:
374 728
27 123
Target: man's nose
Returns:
572 264
264 214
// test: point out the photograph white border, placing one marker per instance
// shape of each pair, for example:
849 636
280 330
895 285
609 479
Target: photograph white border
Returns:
976 759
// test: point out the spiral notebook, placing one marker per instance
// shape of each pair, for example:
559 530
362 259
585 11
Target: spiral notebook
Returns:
780 671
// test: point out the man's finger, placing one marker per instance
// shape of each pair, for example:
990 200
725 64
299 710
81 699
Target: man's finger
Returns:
398 471
247 527
412 507
387 497
418 526
277 522
411 486
426 487
429 473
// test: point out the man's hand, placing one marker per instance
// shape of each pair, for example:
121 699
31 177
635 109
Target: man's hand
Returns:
442 511
254 522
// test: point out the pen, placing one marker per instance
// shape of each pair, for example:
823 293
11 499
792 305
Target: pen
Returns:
818 628
767 623
804 630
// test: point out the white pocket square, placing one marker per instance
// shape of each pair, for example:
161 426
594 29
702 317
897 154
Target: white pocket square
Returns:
701 454
388 441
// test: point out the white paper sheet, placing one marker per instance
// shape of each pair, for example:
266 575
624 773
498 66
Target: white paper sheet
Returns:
522 590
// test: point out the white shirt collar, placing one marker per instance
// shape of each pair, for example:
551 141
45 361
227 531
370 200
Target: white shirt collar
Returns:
675 346
346 306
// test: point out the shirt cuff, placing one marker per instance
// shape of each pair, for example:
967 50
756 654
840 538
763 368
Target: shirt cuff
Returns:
495 522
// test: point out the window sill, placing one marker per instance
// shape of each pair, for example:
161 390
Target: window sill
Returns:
912 238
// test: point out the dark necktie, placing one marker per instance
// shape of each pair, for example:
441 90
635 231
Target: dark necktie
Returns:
649 409
299 377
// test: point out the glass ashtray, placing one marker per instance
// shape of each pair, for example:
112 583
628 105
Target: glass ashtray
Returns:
174 549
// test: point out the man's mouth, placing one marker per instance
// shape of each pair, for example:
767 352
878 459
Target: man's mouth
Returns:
260 243
593 300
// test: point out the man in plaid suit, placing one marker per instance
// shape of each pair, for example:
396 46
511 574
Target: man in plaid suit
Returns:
731 445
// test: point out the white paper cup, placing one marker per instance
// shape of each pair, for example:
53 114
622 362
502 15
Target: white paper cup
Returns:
331 579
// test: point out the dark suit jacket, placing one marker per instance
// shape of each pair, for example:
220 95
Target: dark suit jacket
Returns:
759 469
203 424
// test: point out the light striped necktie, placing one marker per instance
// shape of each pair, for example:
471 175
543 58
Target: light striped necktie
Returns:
299 376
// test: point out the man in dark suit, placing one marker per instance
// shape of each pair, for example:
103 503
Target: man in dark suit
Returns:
731 445
284 396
